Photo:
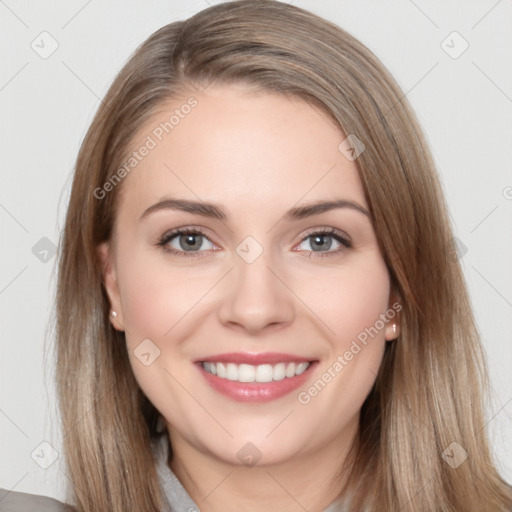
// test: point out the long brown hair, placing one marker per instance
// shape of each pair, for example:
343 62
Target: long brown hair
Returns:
428 393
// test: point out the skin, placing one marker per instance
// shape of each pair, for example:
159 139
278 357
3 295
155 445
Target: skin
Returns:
256 156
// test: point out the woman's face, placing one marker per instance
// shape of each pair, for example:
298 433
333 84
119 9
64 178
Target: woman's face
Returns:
251 287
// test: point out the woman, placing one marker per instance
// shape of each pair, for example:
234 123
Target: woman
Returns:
258 306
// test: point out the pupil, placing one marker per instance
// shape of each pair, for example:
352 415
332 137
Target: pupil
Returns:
322 244
189 244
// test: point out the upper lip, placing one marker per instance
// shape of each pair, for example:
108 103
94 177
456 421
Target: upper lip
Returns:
254 358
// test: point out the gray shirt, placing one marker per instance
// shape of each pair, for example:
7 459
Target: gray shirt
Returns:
177 498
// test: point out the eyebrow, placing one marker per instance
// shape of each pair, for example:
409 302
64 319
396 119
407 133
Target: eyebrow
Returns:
216 212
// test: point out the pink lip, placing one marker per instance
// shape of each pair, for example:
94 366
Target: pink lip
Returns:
254 359
256 391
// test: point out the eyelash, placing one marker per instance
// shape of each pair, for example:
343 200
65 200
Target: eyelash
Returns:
167 237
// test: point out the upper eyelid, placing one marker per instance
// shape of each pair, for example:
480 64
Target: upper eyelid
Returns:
326 230
172 233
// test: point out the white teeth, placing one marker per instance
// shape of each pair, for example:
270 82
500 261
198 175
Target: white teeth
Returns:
221 369
290 369
246 373
260 373
264 373
279 371
301 368
231 371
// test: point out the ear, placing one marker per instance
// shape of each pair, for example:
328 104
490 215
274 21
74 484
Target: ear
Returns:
105 256
393 325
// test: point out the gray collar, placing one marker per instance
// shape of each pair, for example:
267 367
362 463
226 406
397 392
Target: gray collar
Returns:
177 498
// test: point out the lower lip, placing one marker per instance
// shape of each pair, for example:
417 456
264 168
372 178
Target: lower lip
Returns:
256 391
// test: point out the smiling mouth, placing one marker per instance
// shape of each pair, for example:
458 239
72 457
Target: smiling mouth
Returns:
262 373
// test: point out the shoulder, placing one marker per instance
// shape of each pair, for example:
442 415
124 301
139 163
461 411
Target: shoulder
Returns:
11 501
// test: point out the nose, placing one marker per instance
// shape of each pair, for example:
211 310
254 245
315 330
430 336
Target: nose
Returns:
256 297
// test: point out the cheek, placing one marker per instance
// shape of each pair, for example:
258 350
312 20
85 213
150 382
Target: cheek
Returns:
350 298
160 303
353 302
144 305
155 296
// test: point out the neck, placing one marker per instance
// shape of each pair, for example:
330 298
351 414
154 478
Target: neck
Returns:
309 482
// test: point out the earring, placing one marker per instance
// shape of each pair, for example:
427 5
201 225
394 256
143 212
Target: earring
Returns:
114 314
394 328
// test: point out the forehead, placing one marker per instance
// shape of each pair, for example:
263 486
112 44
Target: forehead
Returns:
244 150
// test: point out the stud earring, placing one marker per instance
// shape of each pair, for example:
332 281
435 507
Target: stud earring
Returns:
114 314
394 328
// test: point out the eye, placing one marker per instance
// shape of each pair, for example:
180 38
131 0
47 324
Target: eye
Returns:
190 242
322 241
184 241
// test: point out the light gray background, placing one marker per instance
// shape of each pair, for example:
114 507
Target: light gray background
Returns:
464 105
